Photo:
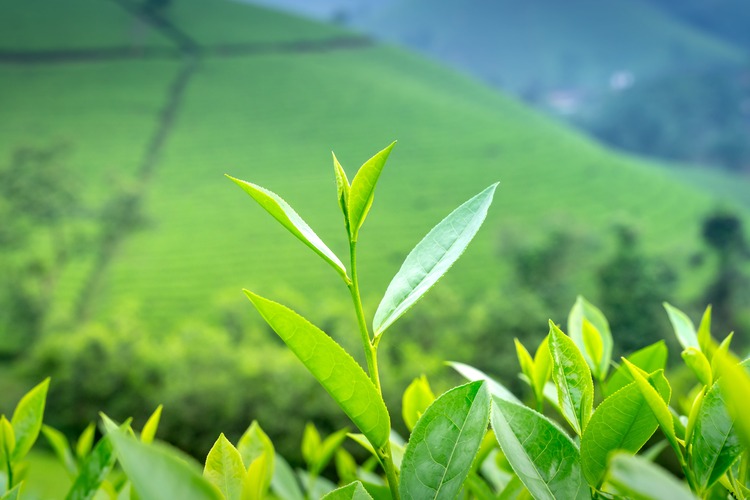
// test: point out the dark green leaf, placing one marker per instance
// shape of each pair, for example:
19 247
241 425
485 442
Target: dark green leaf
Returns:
93 471
543 456
640 479
27 419
444 443
285 214
572 377
334 368
362 190
353 491
431 258
649 359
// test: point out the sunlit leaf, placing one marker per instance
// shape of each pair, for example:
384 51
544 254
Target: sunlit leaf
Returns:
259 457
684 329
353 491
335 369
7 442
362 190
697 362
342 189
650 359
431 258
94 470
444 443
704 332
472 374
581 310
27 419
417 397
224 468
285 214
152 425
545 459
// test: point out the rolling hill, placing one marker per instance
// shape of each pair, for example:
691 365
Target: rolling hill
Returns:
215 87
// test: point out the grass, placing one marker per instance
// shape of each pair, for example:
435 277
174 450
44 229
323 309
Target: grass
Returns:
273 119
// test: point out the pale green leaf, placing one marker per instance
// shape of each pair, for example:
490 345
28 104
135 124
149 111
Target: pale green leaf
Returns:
159 472
7 442
310 443
581 310
715 444
444 443
650 359
592 341
542 369
352 491
346 466
27 419
327 449
472 374
257 480
704 332
94 470
623 421
572 377
362 190
640 479
59 444
342 189
284 482
14 494
431 259
697 362
544 458
152 424
335 369
259 457
684 329
525 361
417 397
285 214
224 468
85 441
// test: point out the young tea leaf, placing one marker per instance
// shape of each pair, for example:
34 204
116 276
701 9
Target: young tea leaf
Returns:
7 442
259 457
444 443
85 441
152 424
27 419
310 443
285 214
335 369
352 491
342 189
362 190
224 468
543 456
94 470
572 378
649 359
327 449
472 374
417 397
581 310
284 482
59 444
637 478
431 259
704 332
697 362
683 327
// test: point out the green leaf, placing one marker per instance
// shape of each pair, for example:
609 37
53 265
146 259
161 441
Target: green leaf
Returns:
310 443
93 471
7 442
352 491
715 444
683 327
224 468
472 374
159 472
342 189
327 449
525 361
285 214
417 397
363 190
27 419
444 443
258 455
581 310
431 259
257 480
640 479
85 441
152 424
592 341
697 362
14 494
334 368
543 456
59 444
649 359
623 421
572 377
284 482
346 466
542 369
704 332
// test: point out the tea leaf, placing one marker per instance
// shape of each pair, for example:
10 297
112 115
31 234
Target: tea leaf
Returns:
472 374
310 443
284 482
85 441
59 444
735 385
352 491
715 444
27 419
159 472
444 443
93 471
704 332
334 368
649 359
7 442
543 456
431 259
14 494
572 377
581 310
417 397
683 327
623 421
640 479
327 448
363 190
152 424
342 189
542 368
697 362
258 455
285 214
224 468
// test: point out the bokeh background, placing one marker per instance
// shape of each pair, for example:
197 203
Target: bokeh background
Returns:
619 130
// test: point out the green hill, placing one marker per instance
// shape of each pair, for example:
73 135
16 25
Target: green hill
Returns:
265 97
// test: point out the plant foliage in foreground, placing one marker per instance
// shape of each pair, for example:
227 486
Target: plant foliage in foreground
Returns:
580 438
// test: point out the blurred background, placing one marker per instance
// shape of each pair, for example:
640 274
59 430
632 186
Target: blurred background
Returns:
619 130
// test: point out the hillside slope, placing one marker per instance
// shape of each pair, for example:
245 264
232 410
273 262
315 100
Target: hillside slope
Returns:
270 110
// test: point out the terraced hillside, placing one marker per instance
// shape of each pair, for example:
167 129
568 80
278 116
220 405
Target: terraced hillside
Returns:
205 88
